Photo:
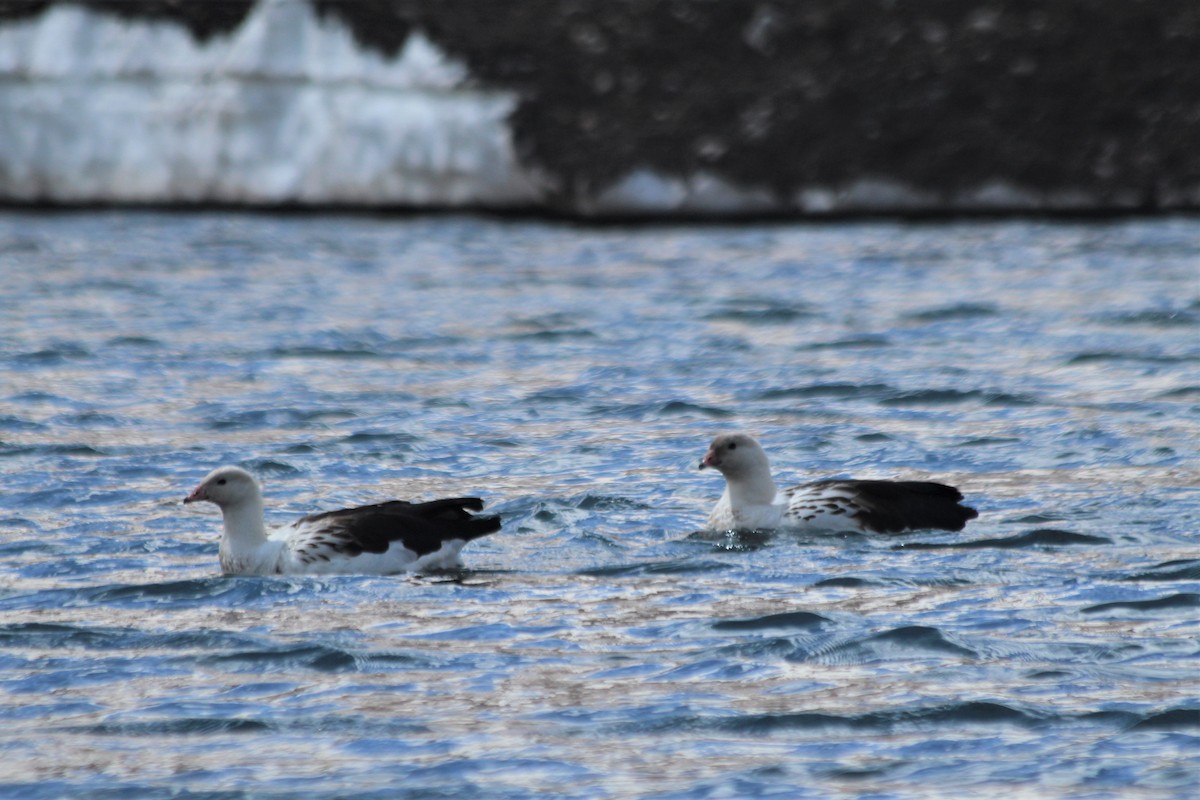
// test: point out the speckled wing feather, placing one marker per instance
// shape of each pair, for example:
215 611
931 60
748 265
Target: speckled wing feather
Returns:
878 506
418 527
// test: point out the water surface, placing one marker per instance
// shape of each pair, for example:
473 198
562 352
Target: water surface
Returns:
599 646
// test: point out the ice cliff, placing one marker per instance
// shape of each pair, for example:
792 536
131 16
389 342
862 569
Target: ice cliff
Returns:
603 108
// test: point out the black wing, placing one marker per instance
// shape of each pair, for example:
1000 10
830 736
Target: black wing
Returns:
895 506
419 527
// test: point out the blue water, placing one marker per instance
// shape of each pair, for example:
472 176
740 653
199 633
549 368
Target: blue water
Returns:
599 647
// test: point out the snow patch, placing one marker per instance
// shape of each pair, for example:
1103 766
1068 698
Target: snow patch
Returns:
648 191
998 196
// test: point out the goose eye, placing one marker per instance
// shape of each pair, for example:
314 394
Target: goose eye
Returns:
221 482
733 445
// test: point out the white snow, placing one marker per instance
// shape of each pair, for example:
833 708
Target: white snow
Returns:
286 109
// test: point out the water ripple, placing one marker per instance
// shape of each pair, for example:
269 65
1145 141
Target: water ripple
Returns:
1166 603
600 645
1042 537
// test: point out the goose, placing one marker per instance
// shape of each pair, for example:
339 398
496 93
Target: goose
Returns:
752 501
380 539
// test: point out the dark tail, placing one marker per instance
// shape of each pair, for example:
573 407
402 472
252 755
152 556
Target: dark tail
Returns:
454 518
449 508
445 513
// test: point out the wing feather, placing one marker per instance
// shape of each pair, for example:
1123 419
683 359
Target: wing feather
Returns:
418 527
883 506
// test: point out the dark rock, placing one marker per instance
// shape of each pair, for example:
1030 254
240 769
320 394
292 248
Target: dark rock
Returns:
825 106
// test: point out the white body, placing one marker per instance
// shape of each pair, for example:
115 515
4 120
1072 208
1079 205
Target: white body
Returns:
815 508
295 549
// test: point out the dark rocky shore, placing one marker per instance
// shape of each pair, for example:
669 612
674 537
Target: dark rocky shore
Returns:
826 106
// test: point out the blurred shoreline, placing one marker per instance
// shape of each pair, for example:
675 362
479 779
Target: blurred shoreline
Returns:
607 111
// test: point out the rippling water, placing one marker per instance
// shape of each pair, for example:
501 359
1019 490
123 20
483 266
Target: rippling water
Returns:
598 646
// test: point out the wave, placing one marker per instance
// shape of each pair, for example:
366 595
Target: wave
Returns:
680 566
192 725
56 635
589 501
175 592
941 716
1181 392
85 450
394 441
1184 569
286 658
552 335
760 312
315 351
671 408
987 441
1042 537
948 717
232 651
888 395
958 311
51 356
848 343
223 419
837 390
1093 356
1172 719
848 582
215 590
909 641
953 396
1169 602
135 341
787 619
176 727
1154 317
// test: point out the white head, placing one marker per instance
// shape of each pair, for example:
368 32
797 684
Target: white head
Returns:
227 487
736 455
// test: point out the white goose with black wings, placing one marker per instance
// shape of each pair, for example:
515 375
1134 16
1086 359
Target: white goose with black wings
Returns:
380 539
752 501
